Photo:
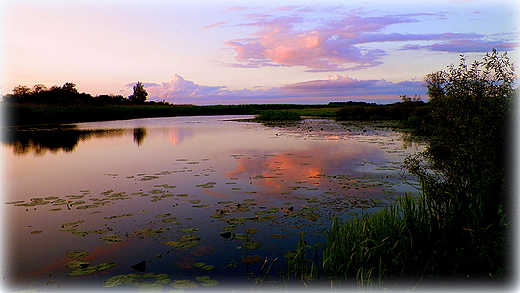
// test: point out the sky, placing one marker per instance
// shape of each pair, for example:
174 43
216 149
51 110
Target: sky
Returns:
241 52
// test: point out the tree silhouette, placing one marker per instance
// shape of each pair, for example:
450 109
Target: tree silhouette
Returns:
139 95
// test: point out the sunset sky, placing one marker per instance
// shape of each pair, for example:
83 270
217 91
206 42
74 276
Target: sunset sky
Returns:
235 52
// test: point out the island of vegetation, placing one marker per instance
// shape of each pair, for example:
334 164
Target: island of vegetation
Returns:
457 232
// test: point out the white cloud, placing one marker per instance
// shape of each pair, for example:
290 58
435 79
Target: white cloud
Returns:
337 87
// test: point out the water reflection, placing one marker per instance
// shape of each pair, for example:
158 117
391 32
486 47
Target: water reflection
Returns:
39 141
139 135
173 185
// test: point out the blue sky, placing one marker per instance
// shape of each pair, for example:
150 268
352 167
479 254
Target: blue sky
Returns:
234 52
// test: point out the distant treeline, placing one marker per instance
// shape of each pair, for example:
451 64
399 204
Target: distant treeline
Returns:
65 104
69 95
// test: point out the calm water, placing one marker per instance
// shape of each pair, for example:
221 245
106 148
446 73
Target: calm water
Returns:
85 203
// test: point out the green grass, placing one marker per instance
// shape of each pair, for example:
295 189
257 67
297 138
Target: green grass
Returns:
402 246
278 115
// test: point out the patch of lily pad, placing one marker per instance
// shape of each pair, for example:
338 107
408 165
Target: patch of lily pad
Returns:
144 282
184 242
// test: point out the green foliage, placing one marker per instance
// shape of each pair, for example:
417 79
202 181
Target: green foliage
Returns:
412 111
140 94
280 115
471 109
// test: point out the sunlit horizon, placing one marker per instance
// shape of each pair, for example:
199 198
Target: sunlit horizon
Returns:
249 52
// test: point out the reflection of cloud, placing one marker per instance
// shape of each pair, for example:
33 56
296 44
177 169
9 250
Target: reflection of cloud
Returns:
277 173
177 135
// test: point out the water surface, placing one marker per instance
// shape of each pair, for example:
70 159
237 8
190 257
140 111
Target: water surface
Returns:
204 199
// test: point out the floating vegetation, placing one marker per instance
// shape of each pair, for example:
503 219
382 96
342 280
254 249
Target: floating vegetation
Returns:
207 185
251 244
14 202
189 230
149 177
89 270
76 253
112 238
163 215
148 232
229 227
77 264
169 220
204 266
208 267
206 281
36 232
156 191
144 282
252 230
201 206
184 284
184 242
118 216
265 218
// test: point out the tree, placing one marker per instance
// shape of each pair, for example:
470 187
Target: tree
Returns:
139 95
69 87
21 91
470 106
38 88
464 172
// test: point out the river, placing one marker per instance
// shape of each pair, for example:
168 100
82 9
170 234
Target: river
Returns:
173 203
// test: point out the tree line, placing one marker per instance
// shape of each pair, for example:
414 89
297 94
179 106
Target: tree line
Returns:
68 94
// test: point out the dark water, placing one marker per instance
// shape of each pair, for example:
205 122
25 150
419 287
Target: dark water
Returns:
165 191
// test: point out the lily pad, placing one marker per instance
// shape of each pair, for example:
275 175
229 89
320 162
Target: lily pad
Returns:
76 253
252 245
112 238
140 281
90 270
189 230
208 267
77 264
252 230
184 284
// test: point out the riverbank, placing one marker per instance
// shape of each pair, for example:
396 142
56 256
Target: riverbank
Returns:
28 113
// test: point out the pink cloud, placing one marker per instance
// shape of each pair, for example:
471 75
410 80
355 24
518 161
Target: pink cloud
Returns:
337 87
214 25
343 41
464 46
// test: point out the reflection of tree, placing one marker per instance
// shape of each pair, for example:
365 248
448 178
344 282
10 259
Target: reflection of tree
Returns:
139 135
39 141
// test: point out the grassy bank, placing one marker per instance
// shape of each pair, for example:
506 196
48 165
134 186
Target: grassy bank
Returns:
411 113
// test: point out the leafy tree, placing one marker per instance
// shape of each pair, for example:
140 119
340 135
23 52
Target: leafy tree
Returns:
140 94
464 171
21 91
69 87
39 88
